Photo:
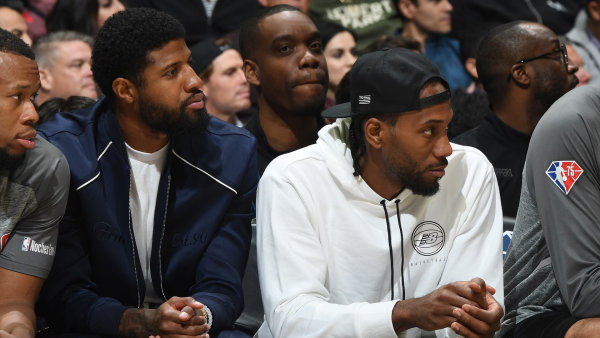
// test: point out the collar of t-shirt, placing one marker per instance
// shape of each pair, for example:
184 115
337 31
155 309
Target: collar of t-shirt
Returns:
147 157
505 134
254 127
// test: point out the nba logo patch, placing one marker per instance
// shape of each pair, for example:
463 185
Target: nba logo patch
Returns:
26 242
564 174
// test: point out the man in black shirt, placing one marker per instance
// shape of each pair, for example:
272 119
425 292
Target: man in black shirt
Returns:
284 61
524 69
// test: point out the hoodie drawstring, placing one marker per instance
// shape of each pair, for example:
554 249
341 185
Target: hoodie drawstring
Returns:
401 248
387 220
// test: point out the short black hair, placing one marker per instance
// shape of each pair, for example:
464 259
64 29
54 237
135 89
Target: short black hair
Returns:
124 42
55 105
250 31
11 44
502 47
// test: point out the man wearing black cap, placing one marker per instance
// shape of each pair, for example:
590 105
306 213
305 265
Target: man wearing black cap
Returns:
225 87
383 228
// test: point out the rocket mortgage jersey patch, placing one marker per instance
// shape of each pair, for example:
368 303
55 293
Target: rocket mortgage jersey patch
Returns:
564 174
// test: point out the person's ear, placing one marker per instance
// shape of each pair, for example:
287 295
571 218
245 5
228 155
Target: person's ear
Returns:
470 66
407 8
46 79
251 72
374 132
125 90
520 75
594 10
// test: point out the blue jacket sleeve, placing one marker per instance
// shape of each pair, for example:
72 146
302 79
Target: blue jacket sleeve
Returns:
221 269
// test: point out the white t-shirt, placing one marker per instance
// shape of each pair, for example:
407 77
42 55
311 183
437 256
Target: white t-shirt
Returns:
209 6
146 169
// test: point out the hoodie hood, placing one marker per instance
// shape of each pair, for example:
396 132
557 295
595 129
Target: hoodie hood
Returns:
334 143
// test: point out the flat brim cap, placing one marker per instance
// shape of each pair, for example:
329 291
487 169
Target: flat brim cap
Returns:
338 111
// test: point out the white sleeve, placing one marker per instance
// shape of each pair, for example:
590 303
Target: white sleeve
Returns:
293 272
477 250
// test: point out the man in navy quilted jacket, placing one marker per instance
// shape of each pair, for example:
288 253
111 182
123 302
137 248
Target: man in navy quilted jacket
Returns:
156 234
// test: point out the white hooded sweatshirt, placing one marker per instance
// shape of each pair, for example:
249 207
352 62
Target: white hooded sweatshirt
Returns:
323 251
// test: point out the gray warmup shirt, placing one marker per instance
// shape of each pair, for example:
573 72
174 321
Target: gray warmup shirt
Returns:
553 261
33 198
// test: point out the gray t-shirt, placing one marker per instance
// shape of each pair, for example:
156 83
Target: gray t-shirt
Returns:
33 198
553 261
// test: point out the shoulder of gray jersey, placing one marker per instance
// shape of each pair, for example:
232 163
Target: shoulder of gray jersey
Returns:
45 167
35 195
566 115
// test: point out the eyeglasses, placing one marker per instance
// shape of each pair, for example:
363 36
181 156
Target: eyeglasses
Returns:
562 50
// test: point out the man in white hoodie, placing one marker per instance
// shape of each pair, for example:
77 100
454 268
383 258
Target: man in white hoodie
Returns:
359 235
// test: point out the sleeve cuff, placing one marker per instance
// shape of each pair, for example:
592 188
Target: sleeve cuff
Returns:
375 320
105 318
216 313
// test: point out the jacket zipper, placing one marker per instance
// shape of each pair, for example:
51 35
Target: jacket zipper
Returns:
535 11
137 283
162 236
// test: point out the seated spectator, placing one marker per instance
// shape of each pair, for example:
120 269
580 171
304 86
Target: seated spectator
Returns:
12 20
483 15
552 265
34 185
291 82
84 16
524 69
392 42
339 47
576 60
225 88
204 19
50 108
300 4
369 19
329 268
470 105
585 37
427 22
65 61
161 198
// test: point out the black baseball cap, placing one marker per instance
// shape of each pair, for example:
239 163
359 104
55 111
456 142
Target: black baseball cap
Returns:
204 52
389 81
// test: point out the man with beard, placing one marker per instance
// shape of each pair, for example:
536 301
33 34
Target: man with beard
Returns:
161 195
361 235
34 183
524 68
284 61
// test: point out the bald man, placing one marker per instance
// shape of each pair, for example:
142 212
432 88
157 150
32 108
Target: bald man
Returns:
524 69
